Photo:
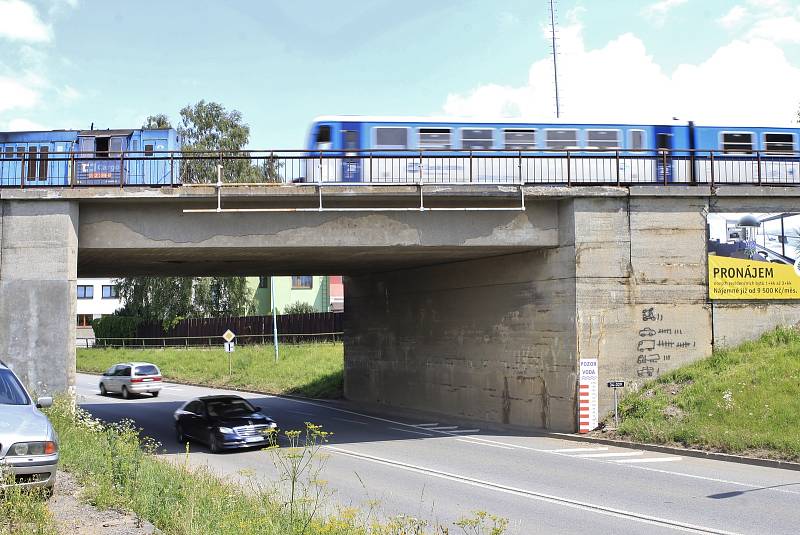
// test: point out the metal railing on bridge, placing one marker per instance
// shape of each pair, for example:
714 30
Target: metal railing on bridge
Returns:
543 167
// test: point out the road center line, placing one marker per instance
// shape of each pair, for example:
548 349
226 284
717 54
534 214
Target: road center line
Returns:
567 502
468 441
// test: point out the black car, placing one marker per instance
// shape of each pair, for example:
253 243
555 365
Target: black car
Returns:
223 423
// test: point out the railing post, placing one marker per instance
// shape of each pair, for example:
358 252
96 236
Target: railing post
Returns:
519 164
569 170
664 164
22 172
72 168
121 169
370 166
758 156
172 168
712 166
470 166
617 163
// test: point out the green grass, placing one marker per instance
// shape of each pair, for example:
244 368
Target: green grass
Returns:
740 400
312 370
118 470
24 511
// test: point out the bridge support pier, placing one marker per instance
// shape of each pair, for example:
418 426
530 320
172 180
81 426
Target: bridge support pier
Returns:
38 273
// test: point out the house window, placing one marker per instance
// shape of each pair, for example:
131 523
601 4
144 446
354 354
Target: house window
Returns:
637 139
391 137
779 142
85 291
561 139
477 138
434 138
263 282
302 282
737 142
519 139
110 291
84 320
602 139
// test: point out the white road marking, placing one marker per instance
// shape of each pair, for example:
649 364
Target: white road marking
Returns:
410 431
577 450
612 454
443 428
468 441
459 431
423 425
533 495
351 421
301 412
650 460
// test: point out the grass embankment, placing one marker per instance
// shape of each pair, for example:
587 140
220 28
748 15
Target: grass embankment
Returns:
24 511
312 370
743 400
118 471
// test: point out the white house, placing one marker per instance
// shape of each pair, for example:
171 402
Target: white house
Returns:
96 298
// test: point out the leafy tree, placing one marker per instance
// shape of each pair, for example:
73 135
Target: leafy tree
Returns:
299 307
221 296
156 121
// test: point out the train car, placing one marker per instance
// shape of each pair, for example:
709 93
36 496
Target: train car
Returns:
87 157
408 149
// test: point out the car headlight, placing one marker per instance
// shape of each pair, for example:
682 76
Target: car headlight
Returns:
273 425
226 430
32 448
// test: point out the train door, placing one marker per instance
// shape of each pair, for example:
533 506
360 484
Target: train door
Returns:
351 143
155 162
664 137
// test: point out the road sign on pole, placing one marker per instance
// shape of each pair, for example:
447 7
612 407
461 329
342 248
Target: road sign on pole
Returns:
228 336
229 347
615 385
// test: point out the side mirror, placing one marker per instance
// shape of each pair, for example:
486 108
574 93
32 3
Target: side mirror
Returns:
44 402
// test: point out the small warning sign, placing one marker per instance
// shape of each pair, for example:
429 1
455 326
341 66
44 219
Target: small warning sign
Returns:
228 336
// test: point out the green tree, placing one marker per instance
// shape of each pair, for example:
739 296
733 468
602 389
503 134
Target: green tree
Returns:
222 296
157 121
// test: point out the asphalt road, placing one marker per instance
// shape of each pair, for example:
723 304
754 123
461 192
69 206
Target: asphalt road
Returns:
440 472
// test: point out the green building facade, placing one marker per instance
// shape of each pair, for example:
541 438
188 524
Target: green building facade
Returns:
312 289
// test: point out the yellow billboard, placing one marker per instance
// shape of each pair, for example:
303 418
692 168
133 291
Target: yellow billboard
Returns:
753 256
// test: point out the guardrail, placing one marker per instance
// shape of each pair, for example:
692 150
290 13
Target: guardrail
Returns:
205 341
547 167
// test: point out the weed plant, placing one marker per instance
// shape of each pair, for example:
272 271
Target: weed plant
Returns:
23 511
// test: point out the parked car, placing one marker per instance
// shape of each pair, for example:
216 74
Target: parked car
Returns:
223 423
131 378
28 442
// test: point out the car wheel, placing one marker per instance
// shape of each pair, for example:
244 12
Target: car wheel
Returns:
213 445
179 434
125 393
103 391
155 394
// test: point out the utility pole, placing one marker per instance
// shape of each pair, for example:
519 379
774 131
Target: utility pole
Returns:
555 54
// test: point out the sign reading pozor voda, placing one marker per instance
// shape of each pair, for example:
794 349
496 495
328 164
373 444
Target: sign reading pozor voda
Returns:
753 256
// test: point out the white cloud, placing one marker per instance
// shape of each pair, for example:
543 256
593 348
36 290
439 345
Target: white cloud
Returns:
777 29
19 21
734 17
658 11
622 82
17 93
23 125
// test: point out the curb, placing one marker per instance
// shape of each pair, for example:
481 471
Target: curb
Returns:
687 452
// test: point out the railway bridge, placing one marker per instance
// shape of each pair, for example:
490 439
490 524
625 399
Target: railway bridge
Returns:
470 300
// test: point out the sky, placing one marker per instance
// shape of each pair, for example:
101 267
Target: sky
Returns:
70 63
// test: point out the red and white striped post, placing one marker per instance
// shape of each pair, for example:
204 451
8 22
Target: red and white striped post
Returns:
587 395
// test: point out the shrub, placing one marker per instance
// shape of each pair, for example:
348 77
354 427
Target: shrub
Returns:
298 307
115 326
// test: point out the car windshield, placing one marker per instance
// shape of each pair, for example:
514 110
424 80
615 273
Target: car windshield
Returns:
147 369
229 407
11 392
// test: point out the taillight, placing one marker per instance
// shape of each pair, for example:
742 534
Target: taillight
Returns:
156 378
136 380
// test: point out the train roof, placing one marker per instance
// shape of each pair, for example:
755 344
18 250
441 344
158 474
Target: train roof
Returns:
505 120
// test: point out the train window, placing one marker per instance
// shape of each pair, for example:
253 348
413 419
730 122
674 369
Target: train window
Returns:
86 147
115 145
391 137
739 142
32 163
602 139
477 138
561 139
519 139
148 149
637 140
43 160
9 153
101 147
351 139
779 142
323 134
434 138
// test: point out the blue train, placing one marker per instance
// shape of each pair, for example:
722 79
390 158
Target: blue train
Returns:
87 157
643 153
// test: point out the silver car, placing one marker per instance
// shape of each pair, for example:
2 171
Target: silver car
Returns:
131 378
28 442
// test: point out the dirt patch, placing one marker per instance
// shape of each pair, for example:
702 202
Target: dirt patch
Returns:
72 515
671 411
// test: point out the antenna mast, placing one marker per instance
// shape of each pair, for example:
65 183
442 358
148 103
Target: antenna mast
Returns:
555 53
